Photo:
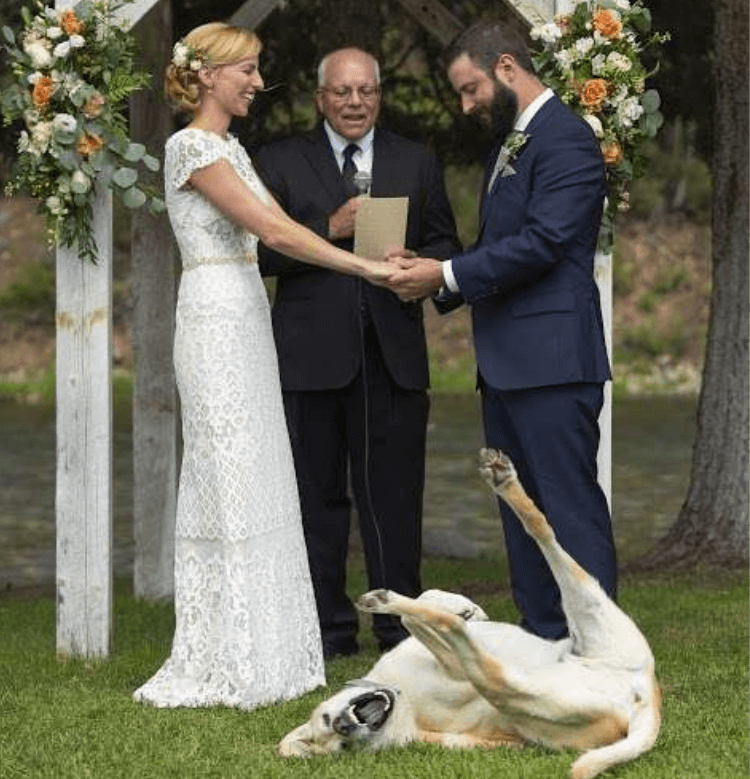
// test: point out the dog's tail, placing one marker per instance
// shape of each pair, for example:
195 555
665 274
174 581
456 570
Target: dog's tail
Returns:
642 732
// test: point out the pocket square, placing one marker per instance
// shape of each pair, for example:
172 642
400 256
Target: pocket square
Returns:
508 170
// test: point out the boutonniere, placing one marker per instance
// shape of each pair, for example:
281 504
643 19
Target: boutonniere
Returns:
515 141
510 149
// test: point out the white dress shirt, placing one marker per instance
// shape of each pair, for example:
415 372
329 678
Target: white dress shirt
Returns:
362 158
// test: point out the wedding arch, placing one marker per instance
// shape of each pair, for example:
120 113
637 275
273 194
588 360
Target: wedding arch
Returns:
83 501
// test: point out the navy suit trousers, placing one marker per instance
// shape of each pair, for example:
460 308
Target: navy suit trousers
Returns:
552 436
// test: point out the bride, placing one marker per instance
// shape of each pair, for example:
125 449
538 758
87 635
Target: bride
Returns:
246 630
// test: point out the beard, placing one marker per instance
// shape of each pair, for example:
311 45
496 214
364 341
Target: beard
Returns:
500 115
503 110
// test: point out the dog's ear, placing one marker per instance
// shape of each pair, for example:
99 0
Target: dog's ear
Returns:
298 742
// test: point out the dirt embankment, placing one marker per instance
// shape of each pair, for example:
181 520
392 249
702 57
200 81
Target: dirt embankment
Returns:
661 280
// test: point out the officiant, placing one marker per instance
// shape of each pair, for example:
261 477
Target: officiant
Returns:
352 357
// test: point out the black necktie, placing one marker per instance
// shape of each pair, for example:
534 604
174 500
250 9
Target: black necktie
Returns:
349 168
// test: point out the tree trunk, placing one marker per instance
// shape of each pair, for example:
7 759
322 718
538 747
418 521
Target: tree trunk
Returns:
712 527
153 285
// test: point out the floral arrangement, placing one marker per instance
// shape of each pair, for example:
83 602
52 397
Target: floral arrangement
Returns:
592 59
73 72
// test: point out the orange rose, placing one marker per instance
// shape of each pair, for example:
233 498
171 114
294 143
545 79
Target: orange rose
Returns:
612 153
607 23
593 91
42 91
93 106
70 22
88 144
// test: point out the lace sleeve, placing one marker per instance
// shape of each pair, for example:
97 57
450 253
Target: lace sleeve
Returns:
190 150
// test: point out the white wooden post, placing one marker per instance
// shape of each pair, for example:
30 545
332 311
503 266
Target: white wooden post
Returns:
83 493
83 501
603 274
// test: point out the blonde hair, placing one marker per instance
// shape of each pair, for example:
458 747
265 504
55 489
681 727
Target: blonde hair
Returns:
213 44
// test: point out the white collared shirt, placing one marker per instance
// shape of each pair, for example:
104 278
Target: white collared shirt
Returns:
522 122
363 158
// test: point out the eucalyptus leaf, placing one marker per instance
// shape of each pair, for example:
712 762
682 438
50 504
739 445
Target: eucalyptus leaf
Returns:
65 137
133 198
134 152
152 163
125 177
157 206
651 123
651 101
9 36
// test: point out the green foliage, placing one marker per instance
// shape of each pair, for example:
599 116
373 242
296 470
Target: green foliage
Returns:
32 295
647 340
677 179
76 719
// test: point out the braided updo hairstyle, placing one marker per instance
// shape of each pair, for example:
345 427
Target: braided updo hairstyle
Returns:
213 44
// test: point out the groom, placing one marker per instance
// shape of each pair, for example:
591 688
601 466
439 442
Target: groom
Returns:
538 331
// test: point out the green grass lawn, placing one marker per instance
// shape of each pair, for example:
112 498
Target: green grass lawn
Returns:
76 719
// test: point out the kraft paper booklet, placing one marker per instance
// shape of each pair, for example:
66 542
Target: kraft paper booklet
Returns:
380 226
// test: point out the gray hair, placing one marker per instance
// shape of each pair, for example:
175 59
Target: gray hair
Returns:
324 64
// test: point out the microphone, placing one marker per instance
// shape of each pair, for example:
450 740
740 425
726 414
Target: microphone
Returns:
362 180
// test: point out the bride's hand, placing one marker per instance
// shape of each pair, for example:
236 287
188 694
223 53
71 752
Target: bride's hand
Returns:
378 273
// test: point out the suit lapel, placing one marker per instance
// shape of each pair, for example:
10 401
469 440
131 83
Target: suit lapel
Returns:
538 119
322 161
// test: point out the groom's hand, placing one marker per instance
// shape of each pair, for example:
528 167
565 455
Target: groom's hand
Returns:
416 277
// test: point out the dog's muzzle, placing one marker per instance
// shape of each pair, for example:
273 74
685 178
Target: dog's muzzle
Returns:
370 710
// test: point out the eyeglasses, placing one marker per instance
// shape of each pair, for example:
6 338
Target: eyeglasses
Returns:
343 94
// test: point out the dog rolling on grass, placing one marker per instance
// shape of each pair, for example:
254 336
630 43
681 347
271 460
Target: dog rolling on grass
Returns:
462 681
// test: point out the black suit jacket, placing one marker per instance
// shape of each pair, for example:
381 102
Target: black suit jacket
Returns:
317 312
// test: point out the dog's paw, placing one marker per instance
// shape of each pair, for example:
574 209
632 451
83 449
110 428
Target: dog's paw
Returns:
377 601
496 468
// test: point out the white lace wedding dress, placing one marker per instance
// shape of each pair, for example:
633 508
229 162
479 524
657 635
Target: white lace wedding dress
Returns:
246 623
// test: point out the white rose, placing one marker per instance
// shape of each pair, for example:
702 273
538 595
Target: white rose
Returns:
548 33
77 41
39 53
180 55
80 182
41 134
629 111
565 59
65 122
595 125
619 61
623 5
53 33
61 50
584 45
195 65
34 77
597 64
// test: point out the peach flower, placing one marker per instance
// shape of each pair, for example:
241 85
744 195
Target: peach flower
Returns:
607 22
42 91
70 22
612 153
88 144
593 92
93 106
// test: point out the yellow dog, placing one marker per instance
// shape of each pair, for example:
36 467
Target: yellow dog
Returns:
462 681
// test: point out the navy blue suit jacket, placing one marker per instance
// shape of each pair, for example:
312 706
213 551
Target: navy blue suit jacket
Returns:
530 275
316 311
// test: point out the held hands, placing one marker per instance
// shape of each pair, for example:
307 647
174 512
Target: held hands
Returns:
414 278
